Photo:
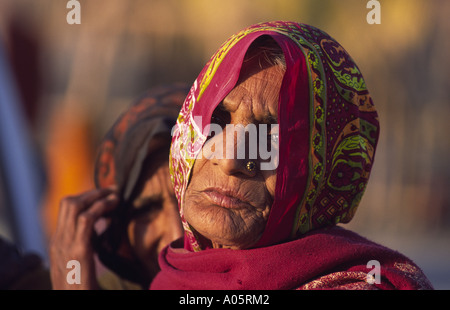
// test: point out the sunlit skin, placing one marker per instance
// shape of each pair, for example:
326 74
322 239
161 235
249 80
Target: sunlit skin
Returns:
225 202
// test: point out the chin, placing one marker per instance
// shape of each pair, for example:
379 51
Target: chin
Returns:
238 243
222 227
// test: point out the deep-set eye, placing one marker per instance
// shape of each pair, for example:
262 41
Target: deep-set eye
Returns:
220 117
216 119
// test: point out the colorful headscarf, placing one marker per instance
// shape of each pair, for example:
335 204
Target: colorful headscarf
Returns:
328 129
125 148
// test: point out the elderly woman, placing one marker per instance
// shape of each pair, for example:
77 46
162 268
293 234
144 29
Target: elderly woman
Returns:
260 204
134 194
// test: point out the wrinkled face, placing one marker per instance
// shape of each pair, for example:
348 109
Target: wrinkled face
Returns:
156 220
226 202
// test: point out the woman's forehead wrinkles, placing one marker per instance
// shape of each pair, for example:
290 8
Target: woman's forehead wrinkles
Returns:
256 99
253 107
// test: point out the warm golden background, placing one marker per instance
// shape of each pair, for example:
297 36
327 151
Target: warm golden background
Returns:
76 79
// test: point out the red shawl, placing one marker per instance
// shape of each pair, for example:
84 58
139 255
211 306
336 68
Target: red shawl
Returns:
332 258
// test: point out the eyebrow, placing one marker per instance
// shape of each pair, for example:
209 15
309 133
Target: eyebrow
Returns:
153 199
222 107
144 205
268 119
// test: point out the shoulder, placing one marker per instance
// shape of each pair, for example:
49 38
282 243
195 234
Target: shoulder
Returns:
354 262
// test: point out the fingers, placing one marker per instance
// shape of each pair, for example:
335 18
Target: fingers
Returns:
78 215
72 239
87 218
74 205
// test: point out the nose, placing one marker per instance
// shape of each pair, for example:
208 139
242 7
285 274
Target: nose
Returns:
237 151
236 166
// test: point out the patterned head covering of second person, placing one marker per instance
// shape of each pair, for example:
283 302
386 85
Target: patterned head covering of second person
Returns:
139 136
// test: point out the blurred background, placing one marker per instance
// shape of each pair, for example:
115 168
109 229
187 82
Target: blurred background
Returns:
62 86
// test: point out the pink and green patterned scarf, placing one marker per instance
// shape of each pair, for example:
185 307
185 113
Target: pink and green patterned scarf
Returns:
328 129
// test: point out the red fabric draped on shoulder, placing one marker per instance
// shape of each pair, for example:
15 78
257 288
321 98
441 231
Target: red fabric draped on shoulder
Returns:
332 258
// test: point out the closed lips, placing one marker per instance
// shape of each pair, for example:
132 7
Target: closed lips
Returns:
225 199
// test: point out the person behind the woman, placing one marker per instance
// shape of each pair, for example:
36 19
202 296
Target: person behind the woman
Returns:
273 148
133 193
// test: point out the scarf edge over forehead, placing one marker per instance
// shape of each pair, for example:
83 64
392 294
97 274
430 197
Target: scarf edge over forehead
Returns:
321 175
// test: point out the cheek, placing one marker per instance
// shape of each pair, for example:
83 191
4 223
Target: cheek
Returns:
199 176
172 228
149 235
143 234
271 181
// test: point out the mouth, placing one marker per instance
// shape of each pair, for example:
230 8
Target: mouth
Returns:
225 198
